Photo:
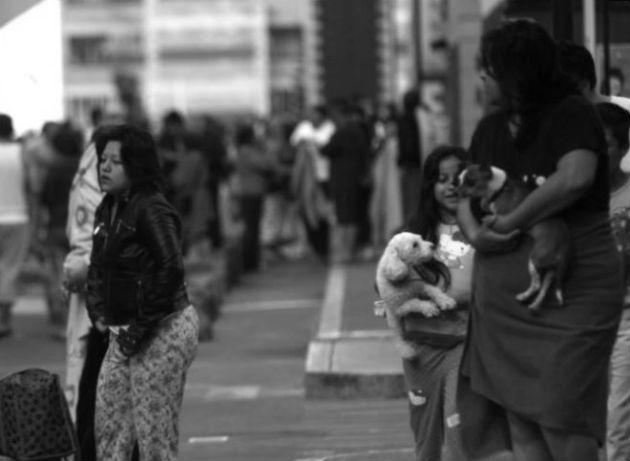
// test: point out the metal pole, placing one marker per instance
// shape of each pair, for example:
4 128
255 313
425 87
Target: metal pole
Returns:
416 38
606 46
590 39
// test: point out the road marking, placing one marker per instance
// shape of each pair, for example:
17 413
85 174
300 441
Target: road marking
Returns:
210 393
259 306
358 334
209 439
30 305
359 455
330 321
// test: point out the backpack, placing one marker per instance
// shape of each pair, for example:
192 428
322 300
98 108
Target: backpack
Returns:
35 421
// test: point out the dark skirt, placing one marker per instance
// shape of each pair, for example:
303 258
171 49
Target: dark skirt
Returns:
551 367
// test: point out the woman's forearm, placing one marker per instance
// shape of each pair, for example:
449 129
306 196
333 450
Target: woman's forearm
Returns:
572 179
479 235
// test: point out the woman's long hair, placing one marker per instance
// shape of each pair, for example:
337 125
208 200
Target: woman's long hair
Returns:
138 154
426 219
523 58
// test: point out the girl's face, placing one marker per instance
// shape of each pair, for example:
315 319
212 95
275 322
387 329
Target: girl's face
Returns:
112 175
490 88
445 188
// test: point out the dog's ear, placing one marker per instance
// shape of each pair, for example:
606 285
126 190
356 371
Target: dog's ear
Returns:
394 268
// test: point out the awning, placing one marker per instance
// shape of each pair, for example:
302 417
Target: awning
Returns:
11 9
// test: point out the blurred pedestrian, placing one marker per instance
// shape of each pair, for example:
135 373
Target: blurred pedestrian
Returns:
432 375
14 235
279 227
409 152
67 145
348 151
386 212
537 384
85 345
617 126
616 82
186 175
254 168
136 289
214 150
310 180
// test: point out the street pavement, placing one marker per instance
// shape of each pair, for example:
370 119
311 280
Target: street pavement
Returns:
246 396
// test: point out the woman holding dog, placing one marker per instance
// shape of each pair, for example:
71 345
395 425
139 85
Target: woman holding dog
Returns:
536 383
431 376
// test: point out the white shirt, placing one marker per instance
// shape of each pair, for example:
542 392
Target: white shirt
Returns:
13 209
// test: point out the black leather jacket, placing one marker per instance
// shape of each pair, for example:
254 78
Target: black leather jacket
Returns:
136 273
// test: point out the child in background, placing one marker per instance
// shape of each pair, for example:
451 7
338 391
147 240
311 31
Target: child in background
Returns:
431 376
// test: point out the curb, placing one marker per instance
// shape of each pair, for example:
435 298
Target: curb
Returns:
350 364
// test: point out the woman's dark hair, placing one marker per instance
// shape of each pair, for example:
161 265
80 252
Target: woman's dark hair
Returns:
523 58
617 120
427 217
138 154
577 62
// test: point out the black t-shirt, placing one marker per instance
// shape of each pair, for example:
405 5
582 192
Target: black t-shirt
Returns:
571 124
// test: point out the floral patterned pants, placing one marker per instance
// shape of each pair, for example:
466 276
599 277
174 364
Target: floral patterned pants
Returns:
140 398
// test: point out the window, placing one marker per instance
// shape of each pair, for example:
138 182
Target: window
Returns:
87 50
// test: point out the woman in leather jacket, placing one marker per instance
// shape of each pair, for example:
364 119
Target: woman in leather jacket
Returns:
136 290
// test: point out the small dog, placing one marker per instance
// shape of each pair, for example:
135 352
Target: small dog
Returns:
499 194
403 283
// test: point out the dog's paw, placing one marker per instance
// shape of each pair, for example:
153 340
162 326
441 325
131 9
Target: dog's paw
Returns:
421 306
379 309
446 303
405 349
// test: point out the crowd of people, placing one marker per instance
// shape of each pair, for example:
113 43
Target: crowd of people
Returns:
115 212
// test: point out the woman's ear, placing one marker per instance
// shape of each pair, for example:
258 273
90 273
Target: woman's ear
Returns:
395 269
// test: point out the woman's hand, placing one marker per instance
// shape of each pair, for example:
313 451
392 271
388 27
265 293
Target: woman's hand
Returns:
482 236
499 223
74 275
487 239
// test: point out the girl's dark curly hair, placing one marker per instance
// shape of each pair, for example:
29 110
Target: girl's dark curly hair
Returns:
523 58
138 154
426 219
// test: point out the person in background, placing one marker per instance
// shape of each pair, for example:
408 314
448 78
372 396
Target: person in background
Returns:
616 82
187 175
254 166
431 377
538 384
409 152
310 182
348 151
14 221
136 289
617 126
67 144
386 214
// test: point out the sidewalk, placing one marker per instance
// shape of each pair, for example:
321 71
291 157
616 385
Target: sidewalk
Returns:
352 354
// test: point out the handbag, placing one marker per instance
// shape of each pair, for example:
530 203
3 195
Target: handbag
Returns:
35 422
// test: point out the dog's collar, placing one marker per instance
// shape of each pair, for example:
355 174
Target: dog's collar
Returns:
501 178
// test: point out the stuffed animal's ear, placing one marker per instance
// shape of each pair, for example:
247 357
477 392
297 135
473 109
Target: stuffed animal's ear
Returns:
394 269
